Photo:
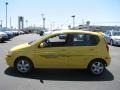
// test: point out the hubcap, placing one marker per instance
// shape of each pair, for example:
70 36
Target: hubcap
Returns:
97 67
23 66
111 42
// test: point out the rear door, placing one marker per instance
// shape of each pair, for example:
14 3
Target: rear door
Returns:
82 50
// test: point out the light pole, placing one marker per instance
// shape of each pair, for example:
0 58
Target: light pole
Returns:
6 13
44 23
43 18
10 23
73 20
1 23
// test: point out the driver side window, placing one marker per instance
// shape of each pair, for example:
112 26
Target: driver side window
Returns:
55 41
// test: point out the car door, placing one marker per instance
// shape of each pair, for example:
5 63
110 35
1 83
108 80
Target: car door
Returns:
82 51
53 56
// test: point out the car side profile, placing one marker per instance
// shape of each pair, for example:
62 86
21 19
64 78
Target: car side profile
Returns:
77 50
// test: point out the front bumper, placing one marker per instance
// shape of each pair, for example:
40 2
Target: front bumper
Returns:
116 42
5 38
10 61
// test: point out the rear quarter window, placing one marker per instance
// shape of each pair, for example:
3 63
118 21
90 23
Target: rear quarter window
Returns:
85 40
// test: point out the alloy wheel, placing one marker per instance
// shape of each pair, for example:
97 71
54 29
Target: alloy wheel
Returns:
97 67
23 66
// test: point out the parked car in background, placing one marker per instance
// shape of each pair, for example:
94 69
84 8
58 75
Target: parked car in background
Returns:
78 50
63 36
3 36
45 32
8 32
113 37
41 33
21 32
15 32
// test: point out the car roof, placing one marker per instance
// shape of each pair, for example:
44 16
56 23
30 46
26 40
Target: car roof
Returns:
75 31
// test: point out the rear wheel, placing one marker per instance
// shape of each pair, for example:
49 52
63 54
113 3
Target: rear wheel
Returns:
23 65
96 67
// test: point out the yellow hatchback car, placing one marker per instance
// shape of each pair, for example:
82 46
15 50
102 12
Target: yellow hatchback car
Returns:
66 49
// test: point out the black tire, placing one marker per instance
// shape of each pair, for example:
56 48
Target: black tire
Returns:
2 41
111 42
96 67
24 65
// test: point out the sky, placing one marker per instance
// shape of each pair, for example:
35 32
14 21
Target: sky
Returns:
58 12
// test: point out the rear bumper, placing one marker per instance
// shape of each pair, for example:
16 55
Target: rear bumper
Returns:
108 61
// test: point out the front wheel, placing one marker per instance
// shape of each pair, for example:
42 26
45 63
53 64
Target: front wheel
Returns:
96 67
23 65
111 42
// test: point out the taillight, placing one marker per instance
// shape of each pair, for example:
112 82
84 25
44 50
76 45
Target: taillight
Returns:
107 47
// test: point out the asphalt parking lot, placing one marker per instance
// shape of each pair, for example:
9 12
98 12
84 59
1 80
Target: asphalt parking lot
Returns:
57 79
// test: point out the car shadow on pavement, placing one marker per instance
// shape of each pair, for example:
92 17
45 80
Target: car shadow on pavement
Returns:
117 45
3 42
61 75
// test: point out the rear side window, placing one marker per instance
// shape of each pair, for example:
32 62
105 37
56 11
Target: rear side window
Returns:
85 40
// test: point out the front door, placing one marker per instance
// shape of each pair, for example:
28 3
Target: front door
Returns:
53 55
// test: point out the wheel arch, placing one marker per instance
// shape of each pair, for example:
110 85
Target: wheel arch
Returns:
97 59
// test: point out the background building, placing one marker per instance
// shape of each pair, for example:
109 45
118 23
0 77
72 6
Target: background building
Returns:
20 22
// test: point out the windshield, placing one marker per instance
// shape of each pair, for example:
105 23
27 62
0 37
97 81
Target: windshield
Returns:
116 33
36 40
32 42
